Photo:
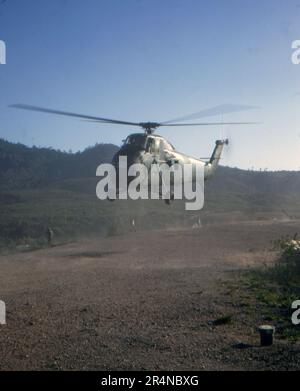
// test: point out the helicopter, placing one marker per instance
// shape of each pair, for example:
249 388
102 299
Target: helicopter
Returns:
149 148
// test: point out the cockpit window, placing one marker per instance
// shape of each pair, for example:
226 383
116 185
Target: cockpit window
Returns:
151 145
137 140
167 145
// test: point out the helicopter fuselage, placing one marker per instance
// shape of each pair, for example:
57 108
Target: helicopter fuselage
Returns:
152 149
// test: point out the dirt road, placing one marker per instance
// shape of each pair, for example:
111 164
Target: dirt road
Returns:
142 301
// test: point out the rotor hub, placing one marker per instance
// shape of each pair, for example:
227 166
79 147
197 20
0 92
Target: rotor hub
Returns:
149 127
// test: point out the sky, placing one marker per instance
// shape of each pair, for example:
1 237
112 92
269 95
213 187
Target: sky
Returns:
153 60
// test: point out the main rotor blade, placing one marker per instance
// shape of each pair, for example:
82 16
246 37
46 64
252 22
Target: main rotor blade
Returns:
145 125
212 123
213 111
70 114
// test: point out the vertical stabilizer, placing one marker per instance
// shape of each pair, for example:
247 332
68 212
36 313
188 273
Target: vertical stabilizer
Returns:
211 166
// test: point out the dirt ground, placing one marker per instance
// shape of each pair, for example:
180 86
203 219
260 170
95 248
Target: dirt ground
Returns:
145 301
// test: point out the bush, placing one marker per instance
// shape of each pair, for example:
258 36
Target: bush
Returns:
287 267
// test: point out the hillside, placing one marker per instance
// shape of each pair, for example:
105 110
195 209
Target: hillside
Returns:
23 167
41 187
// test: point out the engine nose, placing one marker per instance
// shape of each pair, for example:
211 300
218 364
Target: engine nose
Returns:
122 166
131 158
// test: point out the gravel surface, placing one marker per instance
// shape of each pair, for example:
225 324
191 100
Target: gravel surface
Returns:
145 301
